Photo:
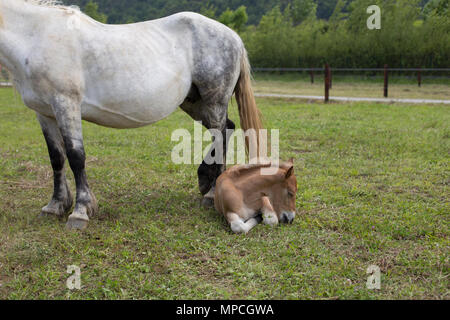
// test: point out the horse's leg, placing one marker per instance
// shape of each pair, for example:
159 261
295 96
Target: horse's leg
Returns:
208 173
213 116
68 117
62 200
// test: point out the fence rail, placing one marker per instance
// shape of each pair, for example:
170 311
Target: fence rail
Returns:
353 69
328 74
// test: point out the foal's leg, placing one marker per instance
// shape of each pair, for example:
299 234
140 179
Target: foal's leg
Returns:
62 200
239 226
269 216
68 117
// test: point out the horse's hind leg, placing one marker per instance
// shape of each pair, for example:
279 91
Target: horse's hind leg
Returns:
213 117
68 117
208 173
62 200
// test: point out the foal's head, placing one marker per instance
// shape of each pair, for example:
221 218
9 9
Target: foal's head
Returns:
284 193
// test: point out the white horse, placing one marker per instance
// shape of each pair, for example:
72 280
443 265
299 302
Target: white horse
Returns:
68 67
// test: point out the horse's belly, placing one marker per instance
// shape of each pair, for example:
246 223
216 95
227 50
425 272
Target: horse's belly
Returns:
131 107
125 116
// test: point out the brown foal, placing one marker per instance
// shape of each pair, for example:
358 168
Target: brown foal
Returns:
246 197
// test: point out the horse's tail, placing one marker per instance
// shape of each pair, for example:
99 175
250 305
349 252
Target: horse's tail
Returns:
248 111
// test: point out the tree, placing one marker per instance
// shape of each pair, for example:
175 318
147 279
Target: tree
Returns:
300 10
209 11
240 18
440 7
91 9
235 19
325 8
338 13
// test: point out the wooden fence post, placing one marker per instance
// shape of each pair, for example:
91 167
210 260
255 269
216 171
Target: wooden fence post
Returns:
327 83
386 81
331 78
312 76
419 77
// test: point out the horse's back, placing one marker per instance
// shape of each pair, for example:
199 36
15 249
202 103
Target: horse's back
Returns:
133 75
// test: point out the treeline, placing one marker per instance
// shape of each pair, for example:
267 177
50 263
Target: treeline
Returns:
310 33
410 36
125 11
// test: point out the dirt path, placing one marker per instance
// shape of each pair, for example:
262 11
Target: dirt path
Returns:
349 99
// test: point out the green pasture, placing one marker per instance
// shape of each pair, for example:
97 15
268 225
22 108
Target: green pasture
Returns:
373 190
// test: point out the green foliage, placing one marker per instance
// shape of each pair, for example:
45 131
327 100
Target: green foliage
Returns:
406 39
209 11
272 42
439 7
300 10
235 19
122 11
91 9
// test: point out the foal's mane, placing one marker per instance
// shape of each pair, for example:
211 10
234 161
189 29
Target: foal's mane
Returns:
245 169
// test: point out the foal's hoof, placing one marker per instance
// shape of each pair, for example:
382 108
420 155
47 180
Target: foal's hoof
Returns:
270 220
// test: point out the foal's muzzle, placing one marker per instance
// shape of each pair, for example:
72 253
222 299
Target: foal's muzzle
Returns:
287 217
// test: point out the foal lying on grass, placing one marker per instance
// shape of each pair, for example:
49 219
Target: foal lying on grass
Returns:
246 197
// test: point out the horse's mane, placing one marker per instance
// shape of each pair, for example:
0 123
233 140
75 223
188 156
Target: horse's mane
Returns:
50 4
45 3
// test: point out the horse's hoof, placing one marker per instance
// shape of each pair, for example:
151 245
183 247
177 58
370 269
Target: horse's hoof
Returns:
92 207
48 212
77 222
56 209
207 203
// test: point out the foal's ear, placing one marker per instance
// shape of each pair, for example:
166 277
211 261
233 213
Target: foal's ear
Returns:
289 172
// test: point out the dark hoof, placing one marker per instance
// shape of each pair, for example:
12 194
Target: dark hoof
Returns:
56 209
47 212
208 203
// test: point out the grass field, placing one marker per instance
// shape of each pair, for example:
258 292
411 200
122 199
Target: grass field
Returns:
373 190
359 87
